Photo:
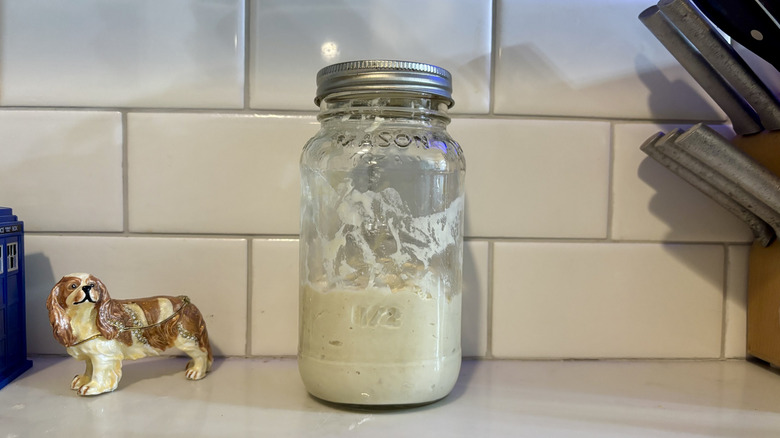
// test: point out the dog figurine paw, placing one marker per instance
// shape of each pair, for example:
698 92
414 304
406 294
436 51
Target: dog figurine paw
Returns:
102 331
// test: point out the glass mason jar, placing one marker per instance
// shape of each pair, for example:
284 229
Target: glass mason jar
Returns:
381 248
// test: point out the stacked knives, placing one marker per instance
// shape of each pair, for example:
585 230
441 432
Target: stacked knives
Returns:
700 155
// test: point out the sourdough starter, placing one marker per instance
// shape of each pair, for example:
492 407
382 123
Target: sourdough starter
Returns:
374 346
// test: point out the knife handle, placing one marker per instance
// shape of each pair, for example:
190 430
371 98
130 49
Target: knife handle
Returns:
724 59
749 22
743 118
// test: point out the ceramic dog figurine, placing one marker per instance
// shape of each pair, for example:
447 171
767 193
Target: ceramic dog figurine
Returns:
102 331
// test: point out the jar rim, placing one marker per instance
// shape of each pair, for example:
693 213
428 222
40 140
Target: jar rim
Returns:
384 75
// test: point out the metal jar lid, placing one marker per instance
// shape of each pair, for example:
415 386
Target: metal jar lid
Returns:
384 75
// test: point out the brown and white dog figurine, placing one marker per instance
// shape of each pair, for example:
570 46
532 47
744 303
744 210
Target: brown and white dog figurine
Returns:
103 331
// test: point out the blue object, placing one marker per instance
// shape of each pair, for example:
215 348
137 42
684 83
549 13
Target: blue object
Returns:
13 331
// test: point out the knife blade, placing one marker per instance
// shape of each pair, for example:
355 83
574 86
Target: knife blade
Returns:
762 232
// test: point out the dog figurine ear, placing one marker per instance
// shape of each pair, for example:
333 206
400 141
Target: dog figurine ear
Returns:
59 320
107 310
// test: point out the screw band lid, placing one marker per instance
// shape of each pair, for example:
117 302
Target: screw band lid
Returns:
384 75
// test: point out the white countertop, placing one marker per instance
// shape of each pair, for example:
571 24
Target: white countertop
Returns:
262 397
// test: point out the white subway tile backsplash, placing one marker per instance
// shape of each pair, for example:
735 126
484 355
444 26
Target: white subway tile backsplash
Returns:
275 298
474 318
62 170
139 53
607 300
652 203
212 272
735 334
215 173
591 59
137 127
292 39
535 178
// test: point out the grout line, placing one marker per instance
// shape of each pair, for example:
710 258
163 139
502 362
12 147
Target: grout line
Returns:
161 235
168 110
125 176
489 346
612 359
599 240
493 58
249 284
271 112
247 43
610 182
239 235
723 328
